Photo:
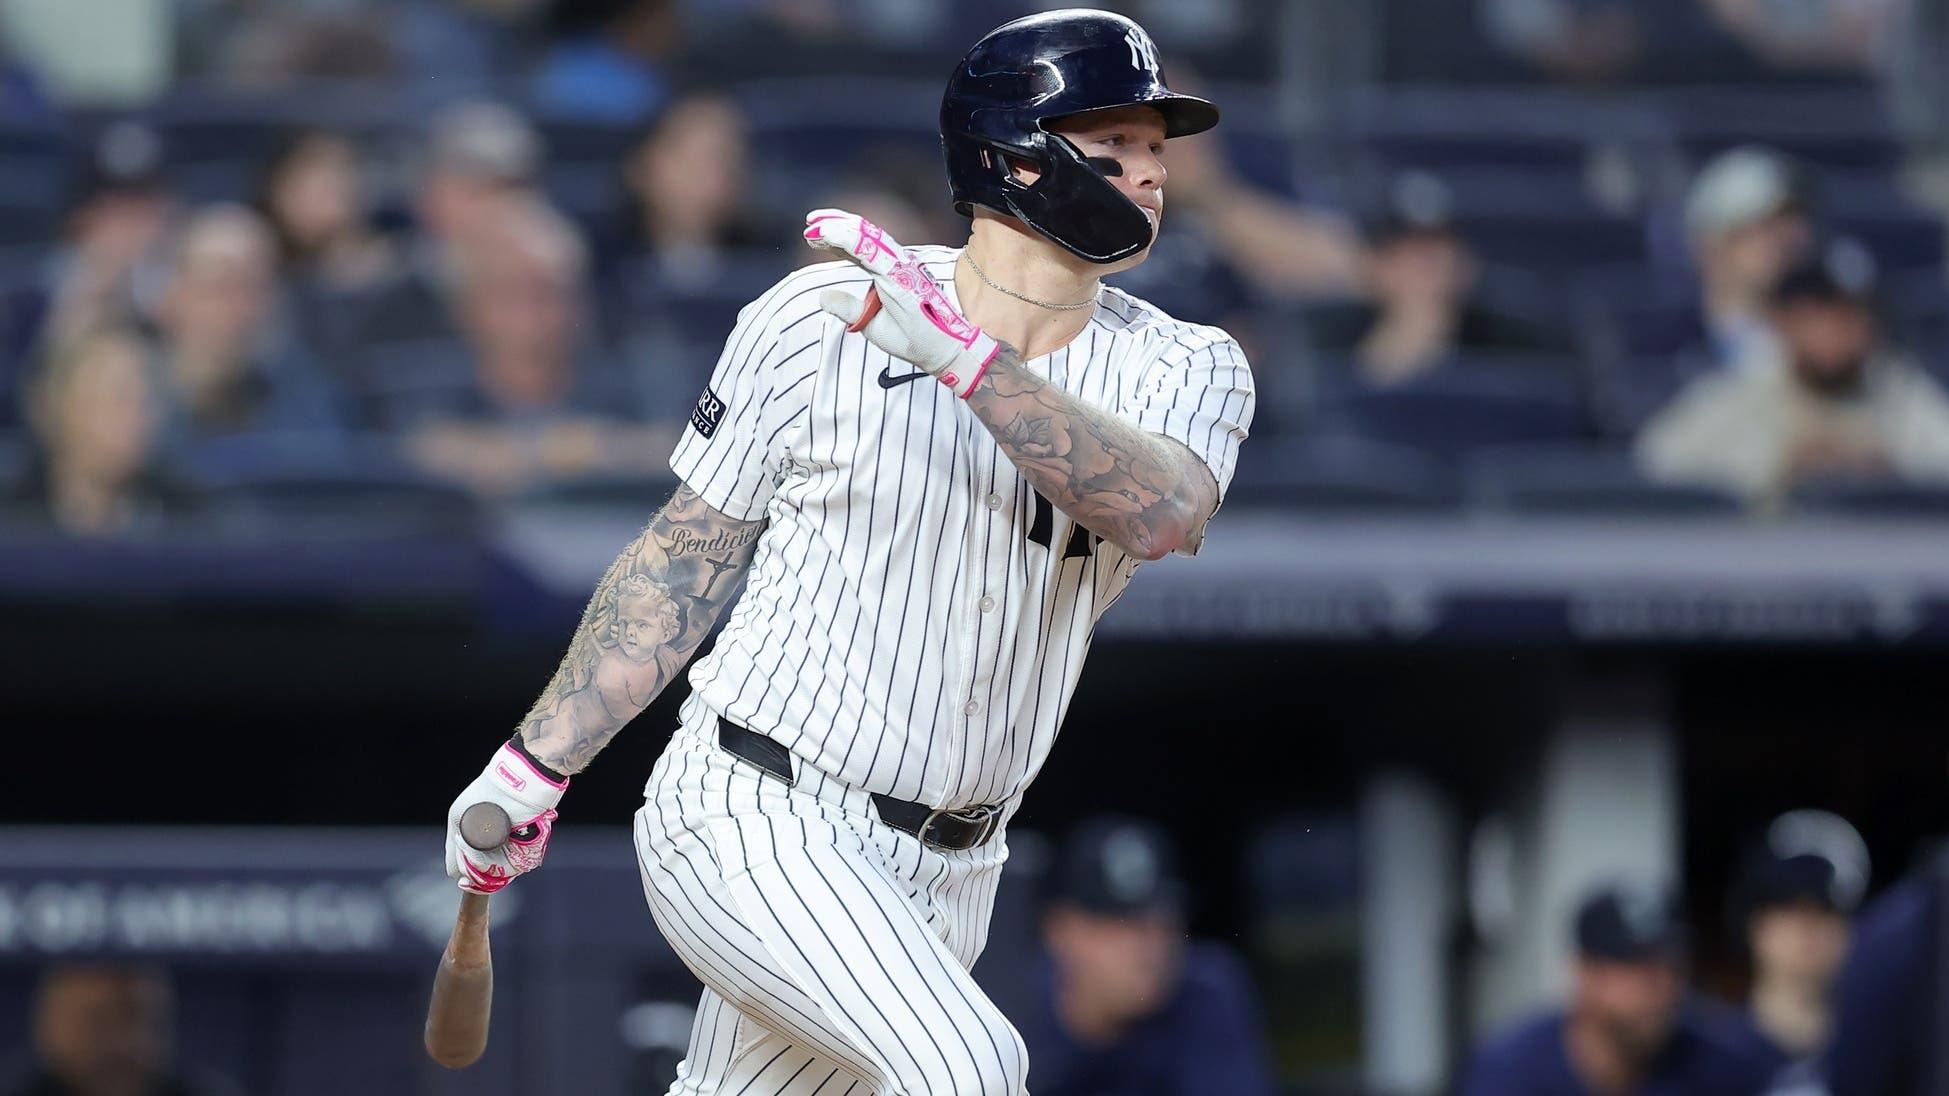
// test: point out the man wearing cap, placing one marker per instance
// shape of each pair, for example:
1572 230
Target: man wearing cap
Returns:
110 258
1798 894
1745 224
481 158
1834 401
1124 1006
1628 1027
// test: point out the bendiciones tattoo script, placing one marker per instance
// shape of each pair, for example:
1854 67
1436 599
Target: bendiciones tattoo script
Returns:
685 542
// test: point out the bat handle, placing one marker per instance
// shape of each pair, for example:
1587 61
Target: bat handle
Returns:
469 925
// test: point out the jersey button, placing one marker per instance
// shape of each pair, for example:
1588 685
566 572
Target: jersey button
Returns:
994 502
987 604
971 707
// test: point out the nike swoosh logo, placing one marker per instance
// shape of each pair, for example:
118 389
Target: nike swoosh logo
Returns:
888 380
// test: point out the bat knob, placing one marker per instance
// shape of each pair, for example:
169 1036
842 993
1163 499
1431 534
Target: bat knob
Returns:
485 826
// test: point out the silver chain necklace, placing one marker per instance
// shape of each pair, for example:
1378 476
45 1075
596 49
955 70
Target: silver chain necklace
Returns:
1007 292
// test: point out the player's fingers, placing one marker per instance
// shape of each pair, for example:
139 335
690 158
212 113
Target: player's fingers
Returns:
483 876
851 309
853 236
832 229
869 309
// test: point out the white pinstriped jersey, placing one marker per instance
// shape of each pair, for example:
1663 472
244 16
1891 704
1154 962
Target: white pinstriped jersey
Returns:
916 615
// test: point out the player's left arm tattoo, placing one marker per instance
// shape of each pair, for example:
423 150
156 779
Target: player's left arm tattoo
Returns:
657 602
1142 492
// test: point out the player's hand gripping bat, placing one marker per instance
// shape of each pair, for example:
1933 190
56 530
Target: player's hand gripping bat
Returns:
463 989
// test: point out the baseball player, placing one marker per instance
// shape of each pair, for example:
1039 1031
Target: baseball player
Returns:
933 469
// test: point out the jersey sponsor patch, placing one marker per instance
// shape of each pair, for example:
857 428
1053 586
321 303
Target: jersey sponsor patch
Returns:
707 414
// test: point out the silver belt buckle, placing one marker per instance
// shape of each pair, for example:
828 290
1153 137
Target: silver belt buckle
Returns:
986 816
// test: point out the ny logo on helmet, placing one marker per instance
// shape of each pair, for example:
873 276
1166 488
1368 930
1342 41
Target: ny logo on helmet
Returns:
1143 53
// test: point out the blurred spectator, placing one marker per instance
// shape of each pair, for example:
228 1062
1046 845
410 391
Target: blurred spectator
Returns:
312 194
1426 308
1277 245
1628 1026
1834 404
333 261
95 414
537 400
107 269
263 46
1891 1031
1126 1007
1576 40
481 155
686 183
607 63
106 1031
1746 219
228 367
1812 34
1800 889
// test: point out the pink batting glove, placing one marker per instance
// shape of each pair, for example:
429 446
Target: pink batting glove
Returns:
530 798
904 312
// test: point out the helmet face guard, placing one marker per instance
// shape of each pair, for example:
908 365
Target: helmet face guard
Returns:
1033 71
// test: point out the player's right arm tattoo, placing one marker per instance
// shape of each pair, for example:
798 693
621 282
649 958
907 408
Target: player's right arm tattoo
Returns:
1143 492
658 601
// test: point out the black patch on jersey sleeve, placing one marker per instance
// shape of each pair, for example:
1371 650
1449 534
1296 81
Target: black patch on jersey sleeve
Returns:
707 414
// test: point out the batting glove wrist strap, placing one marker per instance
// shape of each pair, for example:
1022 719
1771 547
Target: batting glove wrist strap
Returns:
547 774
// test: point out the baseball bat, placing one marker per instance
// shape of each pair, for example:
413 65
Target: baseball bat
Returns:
463 988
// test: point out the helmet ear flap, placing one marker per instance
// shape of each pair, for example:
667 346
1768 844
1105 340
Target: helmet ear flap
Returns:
1007 164
1073 205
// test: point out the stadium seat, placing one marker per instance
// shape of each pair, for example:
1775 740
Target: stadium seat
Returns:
603 491
1831 128
1880 498
1471 405
33 188
1575 480
16 461
823 124
402 380
323 486
1337 474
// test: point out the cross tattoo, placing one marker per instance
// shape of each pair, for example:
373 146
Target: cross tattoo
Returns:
718 567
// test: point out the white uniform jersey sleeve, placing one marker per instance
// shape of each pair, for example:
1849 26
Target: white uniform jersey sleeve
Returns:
1198 391
727 452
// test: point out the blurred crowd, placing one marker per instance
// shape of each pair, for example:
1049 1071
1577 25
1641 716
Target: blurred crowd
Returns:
516 281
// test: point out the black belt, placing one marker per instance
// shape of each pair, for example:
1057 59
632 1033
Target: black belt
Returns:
951 831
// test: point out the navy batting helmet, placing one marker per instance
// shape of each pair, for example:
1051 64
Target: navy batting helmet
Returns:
1028 73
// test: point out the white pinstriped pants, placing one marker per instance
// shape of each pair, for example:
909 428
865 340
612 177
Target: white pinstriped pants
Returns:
834 949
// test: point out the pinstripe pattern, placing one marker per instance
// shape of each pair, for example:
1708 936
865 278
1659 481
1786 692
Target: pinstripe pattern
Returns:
914 624
916 617
835 948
